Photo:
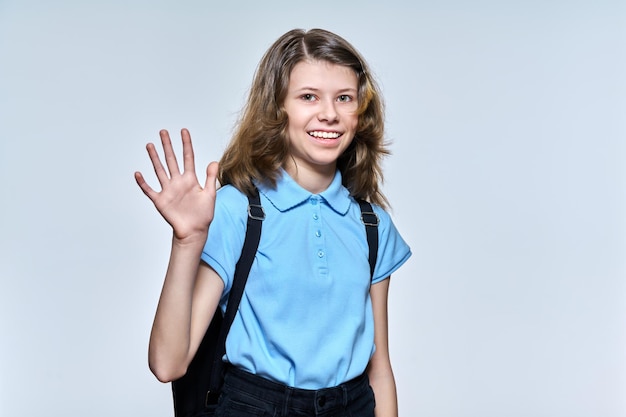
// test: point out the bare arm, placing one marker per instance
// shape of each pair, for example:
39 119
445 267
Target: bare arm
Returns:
188 300
379 369
191 289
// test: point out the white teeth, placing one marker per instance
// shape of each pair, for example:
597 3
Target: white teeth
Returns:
325 135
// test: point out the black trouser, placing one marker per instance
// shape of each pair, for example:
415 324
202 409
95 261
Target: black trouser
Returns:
245 395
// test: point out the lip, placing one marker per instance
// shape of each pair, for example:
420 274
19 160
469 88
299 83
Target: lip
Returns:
326 142
324 134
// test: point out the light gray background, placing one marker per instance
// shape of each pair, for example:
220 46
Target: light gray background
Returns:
507 180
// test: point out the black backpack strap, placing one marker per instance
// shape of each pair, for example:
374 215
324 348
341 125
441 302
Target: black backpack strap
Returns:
256 215
370 220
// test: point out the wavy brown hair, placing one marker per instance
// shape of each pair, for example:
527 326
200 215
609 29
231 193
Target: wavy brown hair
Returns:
260 146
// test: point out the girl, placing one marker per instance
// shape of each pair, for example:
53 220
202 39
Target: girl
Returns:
310 335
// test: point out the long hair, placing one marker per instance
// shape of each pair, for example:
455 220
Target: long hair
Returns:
260 145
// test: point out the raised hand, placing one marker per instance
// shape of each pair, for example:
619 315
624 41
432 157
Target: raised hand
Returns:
183 202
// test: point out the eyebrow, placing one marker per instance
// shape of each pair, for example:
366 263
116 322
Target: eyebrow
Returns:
340 91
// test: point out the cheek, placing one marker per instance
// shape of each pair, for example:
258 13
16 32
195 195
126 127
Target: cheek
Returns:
295 121
354 122
291 124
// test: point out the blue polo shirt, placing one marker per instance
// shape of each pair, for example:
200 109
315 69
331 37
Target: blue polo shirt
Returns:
305 319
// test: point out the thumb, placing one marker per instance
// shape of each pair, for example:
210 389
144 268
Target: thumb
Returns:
211 176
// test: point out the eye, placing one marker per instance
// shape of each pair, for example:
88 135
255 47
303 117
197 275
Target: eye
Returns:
344 98
307 97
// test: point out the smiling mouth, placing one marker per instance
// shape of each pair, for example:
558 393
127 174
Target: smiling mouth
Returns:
324 135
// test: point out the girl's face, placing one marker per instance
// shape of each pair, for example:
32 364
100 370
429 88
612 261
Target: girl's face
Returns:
321 106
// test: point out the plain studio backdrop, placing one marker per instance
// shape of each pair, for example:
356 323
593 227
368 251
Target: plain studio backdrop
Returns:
507 123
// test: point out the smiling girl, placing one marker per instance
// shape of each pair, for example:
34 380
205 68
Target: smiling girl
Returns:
310 335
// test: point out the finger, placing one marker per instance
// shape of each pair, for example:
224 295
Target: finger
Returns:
211 177
170 156
188 156
156 164
147 190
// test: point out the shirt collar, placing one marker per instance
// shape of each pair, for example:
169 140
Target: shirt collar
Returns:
289 194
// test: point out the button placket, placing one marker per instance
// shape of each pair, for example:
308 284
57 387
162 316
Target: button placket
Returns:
317 229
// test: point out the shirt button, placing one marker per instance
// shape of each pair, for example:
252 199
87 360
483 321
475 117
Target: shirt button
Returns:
320 254
315 216
314 201
318 233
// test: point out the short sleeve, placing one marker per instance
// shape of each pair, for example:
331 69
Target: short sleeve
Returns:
226 234
393 251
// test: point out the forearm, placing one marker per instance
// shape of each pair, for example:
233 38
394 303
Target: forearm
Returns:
379 370
384 386
171 331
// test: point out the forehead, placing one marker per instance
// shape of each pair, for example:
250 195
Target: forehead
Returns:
322 75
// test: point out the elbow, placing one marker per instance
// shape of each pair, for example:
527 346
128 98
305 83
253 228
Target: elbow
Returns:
165 373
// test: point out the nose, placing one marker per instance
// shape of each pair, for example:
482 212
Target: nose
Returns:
327 111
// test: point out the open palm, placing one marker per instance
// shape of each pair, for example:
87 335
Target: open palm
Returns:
183 202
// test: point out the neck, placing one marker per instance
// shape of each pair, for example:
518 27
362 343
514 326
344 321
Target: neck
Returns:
312 180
